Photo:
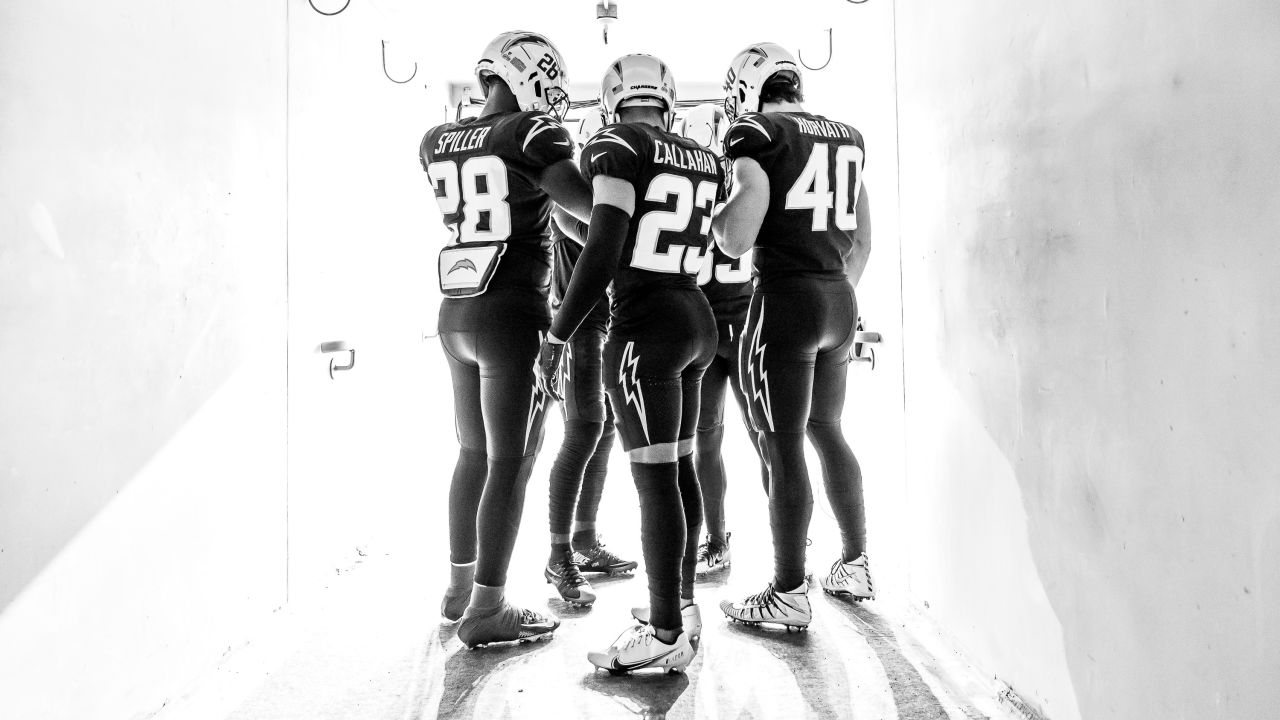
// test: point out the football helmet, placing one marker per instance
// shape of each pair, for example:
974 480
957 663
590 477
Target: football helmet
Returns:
590 124
638 80
748 72
706 125
531 66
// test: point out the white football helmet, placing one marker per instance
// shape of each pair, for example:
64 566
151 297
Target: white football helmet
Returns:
531 66
590 124
638 80
748 72
706 125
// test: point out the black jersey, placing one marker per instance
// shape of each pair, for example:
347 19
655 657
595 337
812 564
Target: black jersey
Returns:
676 183
815 175
485 173
726 282
564 255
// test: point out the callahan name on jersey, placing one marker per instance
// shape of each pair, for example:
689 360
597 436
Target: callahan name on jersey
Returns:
456 141
684 158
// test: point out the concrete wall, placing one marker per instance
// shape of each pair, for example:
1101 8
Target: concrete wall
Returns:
142 408
1090 203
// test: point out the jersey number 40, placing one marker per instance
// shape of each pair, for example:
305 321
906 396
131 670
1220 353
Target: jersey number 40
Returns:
480 186
677 257
812 190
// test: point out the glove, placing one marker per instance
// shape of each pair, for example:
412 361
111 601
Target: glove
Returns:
547 369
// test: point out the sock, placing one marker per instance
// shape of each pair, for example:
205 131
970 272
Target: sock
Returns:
662 534
464 501
580 439
691 498
584 538
790 507
842 476
498 520
461 576
710 466
487 597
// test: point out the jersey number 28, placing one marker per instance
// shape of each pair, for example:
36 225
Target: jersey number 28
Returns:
481 187
812 190
677 257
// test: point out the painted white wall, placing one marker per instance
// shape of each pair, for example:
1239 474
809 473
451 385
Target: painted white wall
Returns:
1089 211
142 419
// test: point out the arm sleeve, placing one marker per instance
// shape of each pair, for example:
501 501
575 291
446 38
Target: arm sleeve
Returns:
594 270
751 135
544 141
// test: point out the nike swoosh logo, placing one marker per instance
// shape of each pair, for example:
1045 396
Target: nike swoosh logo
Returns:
562 142
597 156
632 666
735 141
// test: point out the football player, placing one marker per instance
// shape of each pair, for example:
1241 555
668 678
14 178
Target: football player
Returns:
653 194
494 178
577 476
798 200
726 282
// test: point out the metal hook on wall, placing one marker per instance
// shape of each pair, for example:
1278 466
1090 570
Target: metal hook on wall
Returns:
829 52
384 67
312 3
855 2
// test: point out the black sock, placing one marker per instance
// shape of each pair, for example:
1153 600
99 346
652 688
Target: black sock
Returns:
580 439
662 534
790 507
464 500
691 498
498 521
842 476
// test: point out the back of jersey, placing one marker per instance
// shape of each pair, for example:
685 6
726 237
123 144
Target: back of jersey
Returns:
485 174
676 182
815 176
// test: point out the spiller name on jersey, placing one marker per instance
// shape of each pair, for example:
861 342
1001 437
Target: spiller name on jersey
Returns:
456 141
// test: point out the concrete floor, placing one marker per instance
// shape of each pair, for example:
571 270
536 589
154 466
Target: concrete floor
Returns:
371 646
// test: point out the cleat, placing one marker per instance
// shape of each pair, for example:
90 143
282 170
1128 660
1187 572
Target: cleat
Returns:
598 559
504 624
454 604
573 588
850 578
789 609
713 557
690 618
638 648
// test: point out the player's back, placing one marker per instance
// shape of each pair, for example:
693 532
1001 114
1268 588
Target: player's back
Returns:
676 183
814 167
485 173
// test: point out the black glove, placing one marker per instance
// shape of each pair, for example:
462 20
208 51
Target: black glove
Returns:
547 369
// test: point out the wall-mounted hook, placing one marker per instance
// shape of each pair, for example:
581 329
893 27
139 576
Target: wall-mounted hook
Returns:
855 2
335 12
829 50
862 342
336 346
384 67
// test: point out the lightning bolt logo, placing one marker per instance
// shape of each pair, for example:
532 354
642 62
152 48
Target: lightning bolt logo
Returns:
463 264
749 121
757 375
537 400
541 124
609 136
631 386
564 370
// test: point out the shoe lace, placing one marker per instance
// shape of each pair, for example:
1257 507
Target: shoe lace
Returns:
645 636
704 551
568 571
529 617
764 597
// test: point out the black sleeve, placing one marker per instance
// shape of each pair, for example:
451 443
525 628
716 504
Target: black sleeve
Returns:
594 270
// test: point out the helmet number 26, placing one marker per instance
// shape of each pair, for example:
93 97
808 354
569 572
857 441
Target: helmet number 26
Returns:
812 190
549 66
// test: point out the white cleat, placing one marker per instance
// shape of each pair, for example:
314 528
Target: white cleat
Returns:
850 578
690 619
637 648
789 609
